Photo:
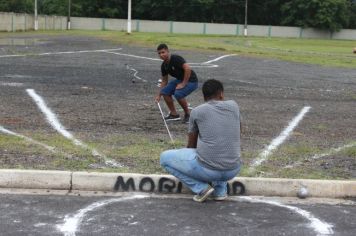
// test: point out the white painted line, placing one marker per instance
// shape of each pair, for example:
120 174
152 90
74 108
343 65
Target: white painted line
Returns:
15 76
6 131
2 56
196 65
130 55
58 53
333 151
72 223
54 122
202 65
135 75
281 138
219 58
14 84
320 227
318 156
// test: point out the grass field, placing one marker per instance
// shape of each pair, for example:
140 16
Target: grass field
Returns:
143 153
332 53
336 53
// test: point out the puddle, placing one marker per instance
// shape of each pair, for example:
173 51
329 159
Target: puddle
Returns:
20 42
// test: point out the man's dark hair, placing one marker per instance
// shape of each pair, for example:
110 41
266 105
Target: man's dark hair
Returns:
162 46
212 88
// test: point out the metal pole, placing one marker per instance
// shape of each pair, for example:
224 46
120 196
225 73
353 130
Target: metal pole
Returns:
245 28
129 17
165 123
68 17
36 16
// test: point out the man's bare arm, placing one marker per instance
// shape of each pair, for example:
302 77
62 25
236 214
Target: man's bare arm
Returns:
187 73
192 140
163 84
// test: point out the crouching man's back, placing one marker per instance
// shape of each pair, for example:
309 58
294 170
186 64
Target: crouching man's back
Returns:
213 150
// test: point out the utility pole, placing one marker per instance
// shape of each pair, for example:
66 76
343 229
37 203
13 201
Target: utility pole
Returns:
245 28
68 17
36 16
129 17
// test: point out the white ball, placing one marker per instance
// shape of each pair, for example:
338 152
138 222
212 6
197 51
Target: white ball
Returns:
303 192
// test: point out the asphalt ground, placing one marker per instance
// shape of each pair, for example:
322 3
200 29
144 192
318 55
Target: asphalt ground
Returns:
142 214
99 98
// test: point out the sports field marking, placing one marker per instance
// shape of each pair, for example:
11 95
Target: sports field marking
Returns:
202 65
333 151
131 55
13 84
58 53
30 140
320 227
281 138
330 152
244 82
54 122
219 58
206 64
135 74
72 223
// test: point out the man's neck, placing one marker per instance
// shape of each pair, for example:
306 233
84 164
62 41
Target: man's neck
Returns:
215 100
168 59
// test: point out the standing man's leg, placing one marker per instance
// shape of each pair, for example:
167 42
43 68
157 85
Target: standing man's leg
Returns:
184 104
170 104
180 95
167 93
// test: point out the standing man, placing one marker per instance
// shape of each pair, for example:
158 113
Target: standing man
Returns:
185 82
213 151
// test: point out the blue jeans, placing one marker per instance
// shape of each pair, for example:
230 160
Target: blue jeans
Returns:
183 164
170 89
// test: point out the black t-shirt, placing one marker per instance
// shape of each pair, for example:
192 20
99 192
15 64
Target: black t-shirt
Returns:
175 68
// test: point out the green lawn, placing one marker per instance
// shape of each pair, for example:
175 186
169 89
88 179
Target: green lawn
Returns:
331 53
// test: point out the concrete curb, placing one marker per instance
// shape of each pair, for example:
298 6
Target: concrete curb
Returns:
124 182
40 179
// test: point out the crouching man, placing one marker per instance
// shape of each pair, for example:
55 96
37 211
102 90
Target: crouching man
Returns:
212 156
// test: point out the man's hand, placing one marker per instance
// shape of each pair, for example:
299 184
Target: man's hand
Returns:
180 86
158 98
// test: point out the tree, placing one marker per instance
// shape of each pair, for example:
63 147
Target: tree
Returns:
323 14
18 6
352 23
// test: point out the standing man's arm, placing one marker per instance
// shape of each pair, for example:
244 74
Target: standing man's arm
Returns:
163 84
192 140
187 73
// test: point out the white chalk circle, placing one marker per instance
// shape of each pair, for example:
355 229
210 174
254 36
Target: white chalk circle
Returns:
72 222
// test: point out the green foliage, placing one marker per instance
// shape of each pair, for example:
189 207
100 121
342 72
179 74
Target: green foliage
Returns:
352 23
19 6
323 14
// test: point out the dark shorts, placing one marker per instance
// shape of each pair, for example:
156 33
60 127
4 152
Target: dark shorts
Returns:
170 89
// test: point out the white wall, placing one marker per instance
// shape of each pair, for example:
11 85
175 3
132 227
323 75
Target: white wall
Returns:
21 22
